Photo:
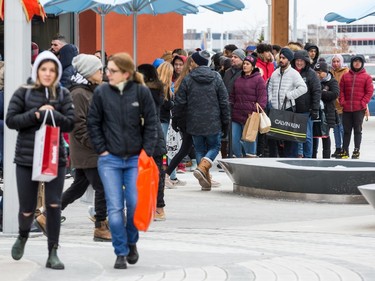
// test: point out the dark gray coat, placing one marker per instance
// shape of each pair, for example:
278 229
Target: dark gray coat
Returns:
202 101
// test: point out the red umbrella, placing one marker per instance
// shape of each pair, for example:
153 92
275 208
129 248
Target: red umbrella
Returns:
30 7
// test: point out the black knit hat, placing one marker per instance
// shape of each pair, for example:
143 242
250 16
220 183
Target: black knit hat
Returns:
201 58
288 53
251 59
321 66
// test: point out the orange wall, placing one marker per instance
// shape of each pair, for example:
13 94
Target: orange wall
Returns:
155 34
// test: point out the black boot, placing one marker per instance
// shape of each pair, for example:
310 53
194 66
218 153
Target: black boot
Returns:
53 260
18 248
336 153
133 255
120 262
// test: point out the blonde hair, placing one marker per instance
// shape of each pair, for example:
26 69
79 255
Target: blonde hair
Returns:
167 56
185 71
126 64
165 72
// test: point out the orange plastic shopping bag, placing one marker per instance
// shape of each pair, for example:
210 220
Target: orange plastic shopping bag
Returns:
147 186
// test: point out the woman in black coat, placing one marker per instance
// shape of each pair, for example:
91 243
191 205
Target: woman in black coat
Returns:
26 112
330 92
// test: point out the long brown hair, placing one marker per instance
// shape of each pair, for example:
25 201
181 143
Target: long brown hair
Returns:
185 71
126 64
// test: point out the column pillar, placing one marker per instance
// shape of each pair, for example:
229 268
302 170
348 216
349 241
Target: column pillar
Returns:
17 57
280 22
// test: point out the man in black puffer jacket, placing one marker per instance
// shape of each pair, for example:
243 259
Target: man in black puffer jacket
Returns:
308 103
202 101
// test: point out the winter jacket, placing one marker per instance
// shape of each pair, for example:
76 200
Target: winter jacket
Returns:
309 101
337 74
330 92
66 55
165 109
158 96
247 91
356 90
21 117
266 68
202 100
82 154
285 84
115 119
230 75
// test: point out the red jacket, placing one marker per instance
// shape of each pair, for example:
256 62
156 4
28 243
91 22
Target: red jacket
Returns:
356 90
266 68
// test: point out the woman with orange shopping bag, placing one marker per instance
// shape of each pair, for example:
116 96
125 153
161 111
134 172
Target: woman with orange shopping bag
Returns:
122 121
27 109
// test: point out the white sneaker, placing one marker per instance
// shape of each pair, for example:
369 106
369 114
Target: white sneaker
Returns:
173 184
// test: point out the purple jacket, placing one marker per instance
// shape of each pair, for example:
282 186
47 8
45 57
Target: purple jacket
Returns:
247 90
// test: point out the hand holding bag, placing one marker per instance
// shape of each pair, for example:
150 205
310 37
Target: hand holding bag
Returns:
287 125
147 188
250 130
46 151
265 122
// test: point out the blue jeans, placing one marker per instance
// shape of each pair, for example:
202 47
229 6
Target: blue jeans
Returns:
165 126
338 132
293 149
119 176
207 146
238 146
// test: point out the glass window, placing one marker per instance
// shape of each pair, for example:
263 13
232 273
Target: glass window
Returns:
348 29
365 42
371 42
359 28
359 43
353 43
354 28
371 28
365 28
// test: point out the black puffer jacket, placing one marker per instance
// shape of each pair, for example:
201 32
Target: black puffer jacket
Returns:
21 117
161 147
311 100
66 55
202 100
114 121
330 92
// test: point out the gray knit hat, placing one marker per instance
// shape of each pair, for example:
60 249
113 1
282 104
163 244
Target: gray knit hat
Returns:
239 53
87 65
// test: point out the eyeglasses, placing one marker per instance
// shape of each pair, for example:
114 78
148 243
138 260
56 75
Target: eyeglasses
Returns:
111 71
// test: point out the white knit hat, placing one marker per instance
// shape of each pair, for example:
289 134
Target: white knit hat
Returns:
87 65
46 55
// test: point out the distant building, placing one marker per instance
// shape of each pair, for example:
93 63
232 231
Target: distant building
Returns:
349 38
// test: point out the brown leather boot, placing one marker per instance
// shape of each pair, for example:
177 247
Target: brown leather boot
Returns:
101 232
203 175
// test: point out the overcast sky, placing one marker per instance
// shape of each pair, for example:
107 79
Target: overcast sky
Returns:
256 11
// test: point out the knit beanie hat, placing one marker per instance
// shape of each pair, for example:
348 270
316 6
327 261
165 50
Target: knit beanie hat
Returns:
321 66
251 59
157 62
87 65
239 53
288 53
201 58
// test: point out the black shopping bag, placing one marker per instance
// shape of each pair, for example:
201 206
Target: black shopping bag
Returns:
287 125
320 126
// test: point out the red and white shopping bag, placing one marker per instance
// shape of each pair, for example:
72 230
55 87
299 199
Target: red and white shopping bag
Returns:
46 151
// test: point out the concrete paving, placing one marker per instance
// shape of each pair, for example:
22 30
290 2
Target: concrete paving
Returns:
218 235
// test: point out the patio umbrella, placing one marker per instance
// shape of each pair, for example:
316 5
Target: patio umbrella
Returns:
354 13
138 7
